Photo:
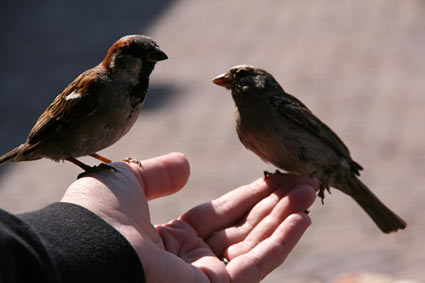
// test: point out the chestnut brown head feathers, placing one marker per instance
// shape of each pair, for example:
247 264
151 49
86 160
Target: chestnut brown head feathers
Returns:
133 47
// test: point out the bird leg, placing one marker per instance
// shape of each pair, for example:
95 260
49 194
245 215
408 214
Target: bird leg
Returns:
80 164
321 193
324 184
101 158
89 169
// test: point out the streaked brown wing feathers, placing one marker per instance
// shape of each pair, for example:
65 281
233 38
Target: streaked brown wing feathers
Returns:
296 111
63 112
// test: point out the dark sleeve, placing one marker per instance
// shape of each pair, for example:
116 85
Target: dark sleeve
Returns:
64 243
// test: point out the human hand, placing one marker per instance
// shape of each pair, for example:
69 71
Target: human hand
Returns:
254 226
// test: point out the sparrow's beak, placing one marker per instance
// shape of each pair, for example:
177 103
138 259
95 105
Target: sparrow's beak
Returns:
224 80
158 55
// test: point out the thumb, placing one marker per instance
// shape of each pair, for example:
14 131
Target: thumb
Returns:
163 175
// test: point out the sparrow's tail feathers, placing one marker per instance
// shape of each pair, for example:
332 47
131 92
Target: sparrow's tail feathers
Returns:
386 220
11 155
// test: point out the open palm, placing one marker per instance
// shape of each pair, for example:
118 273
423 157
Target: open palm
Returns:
253 227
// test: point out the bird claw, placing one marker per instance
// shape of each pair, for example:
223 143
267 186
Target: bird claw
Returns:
321 195
324 185
132 160
96 169
267 174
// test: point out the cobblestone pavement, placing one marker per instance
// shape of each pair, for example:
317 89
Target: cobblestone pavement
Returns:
359 65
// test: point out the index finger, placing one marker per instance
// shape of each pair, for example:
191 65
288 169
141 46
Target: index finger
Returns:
227 210
270 253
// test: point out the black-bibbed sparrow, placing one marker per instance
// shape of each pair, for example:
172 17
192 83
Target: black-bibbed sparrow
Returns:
96 109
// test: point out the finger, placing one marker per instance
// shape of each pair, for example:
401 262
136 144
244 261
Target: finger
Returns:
242 240
227 210
163 175
254 265
290 180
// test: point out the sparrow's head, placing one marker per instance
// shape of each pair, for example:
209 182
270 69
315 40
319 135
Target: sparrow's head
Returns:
247 82
132 50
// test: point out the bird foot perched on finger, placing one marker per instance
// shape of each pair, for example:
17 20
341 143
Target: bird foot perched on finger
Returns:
324 185
96 169
267 174
321 195
132 160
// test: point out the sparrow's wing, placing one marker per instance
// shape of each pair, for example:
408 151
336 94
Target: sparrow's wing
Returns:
76 102
296 111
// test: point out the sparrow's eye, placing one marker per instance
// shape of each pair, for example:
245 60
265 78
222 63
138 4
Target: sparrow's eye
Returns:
133 51
242 73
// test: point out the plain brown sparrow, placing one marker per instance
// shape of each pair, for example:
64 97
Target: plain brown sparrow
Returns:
281 130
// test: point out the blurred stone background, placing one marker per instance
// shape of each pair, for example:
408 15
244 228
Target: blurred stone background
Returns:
359 65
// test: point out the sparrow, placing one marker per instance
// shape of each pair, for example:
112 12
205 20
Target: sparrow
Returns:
96 109
282 131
